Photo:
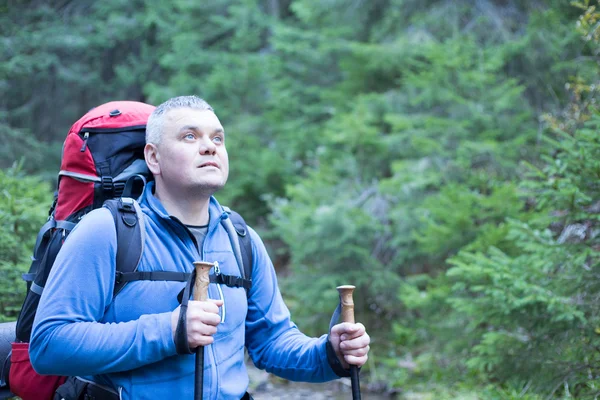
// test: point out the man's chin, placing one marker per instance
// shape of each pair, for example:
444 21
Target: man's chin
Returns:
208 188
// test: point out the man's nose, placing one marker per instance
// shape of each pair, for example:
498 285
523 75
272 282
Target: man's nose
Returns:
207 146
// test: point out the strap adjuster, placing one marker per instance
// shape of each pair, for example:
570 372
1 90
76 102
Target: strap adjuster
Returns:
229 280
107 184
128 212
126 204
234 281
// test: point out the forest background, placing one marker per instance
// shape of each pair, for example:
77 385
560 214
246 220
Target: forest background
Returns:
443 156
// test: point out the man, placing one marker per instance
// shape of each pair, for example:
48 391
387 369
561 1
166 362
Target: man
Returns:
127 344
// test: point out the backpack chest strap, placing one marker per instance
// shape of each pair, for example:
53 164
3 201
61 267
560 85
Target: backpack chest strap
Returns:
231 281
123 277
222 279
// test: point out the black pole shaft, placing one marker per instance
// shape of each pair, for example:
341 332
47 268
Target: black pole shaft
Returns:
355 382
199 382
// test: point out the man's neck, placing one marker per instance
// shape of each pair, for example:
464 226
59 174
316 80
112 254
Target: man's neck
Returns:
189 209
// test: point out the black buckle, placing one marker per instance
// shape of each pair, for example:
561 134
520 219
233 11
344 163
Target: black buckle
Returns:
107 185
232 281
226 279
119 277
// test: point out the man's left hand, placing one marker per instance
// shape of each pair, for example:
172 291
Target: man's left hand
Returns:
350 343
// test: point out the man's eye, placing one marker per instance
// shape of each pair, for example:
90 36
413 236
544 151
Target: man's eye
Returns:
218 139
189 136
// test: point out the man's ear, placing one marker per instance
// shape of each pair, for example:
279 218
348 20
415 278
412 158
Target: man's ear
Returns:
152 158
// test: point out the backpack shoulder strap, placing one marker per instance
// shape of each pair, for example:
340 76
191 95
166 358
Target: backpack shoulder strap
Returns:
242 246
245 242
129 224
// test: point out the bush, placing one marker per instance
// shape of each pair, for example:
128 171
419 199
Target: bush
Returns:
24 202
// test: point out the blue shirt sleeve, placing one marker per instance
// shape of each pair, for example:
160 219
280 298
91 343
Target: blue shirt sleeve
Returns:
69 336
274 342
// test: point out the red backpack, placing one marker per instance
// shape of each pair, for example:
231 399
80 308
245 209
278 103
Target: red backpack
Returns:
102 159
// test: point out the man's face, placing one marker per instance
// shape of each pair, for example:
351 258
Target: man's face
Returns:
192 154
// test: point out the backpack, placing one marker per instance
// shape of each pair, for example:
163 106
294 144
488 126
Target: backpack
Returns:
102 164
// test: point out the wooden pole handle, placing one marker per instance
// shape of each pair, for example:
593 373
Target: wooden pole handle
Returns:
347 302
202 280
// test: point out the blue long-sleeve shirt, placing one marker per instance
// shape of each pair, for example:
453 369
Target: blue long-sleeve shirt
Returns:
127 342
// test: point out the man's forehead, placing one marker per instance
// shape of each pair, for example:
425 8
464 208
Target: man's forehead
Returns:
193 117
177 113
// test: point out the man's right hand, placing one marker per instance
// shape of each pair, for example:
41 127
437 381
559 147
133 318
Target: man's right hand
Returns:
202 320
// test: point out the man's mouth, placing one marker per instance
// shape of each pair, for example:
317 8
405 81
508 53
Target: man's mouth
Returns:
209 164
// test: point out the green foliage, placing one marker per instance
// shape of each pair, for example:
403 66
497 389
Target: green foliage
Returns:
394 145
335 238
568 180
62 58
420 130
36 156
435 133
24 202
474 221
531 311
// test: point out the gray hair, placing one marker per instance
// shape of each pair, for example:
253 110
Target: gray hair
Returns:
156 121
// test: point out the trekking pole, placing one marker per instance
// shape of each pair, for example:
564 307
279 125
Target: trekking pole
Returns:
200 294
348 316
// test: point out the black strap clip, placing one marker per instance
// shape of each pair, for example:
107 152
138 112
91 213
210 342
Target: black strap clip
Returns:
228 280
108 186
